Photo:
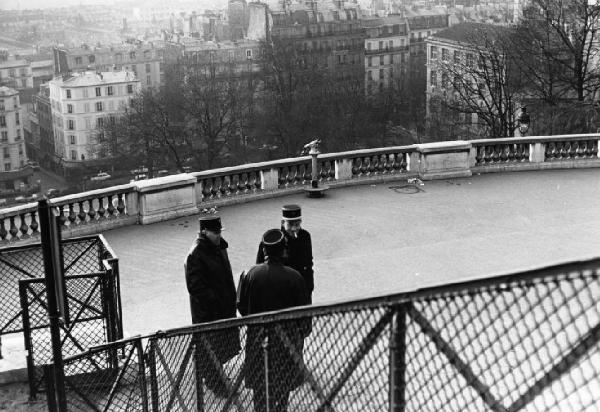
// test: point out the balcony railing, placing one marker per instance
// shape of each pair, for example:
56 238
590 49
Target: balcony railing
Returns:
148 201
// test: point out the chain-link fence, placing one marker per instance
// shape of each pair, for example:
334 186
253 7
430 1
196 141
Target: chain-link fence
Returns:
524 342
93 295
81 255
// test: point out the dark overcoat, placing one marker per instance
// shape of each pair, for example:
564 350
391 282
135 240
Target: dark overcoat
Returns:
212 292
267 287
297 255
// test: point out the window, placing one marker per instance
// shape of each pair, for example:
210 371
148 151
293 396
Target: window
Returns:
391 44
456 56
88 123
381 61
98 92
148 80
381 75
369 75
148 68
5 152
23 82
73 154
445 54
18 134
130 88
132 55
85 92
20 150
98 106
69 108
248 53
91 58
2 121
2 105
78 60
470 60
86 107
433 52
100 122
72 139
380 44
391 59
4 137
17 120
109 90
444 80
369 45
68 94
433 78
71 124
7 167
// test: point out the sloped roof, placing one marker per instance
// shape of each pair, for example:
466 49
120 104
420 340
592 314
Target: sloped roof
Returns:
93 78
472 33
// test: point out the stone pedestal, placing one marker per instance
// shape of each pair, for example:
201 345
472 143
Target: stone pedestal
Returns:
443 160
166 198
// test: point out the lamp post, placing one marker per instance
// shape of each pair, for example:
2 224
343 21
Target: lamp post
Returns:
523 121
314 190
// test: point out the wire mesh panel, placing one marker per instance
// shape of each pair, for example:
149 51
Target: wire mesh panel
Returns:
89 298
107 378
81 255
525 342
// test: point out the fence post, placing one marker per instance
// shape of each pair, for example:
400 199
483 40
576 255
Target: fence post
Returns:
397 392
50 388
153 377
142 372
265 349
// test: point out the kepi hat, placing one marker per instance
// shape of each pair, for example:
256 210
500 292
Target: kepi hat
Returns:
212 223
291 212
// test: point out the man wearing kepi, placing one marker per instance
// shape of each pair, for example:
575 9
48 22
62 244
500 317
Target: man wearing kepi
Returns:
212 297
297 252
267 287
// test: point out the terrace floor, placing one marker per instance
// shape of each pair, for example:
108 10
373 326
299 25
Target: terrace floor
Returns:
371 240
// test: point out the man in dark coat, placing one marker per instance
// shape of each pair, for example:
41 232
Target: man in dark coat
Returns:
298 246
212 297
272 286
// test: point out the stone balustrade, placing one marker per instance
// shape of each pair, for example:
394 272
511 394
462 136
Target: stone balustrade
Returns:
185 194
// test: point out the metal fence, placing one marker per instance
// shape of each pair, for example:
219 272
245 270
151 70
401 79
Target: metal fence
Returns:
81 255
522 342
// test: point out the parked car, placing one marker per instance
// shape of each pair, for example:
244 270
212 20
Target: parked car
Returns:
52 193
139 170
163 172
101 176
141 176
34 165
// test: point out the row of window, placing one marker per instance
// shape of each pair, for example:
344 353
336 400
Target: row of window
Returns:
381 59
4 136
385 44
390 71
100 122
3 120
108 91
22 72
456 58
118 57
99 106
3 103
6 151
457 83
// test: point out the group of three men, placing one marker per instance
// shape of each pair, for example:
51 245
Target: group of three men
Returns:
282 278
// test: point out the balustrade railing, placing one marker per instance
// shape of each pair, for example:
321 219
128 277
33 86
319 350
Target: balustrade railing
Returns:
91 212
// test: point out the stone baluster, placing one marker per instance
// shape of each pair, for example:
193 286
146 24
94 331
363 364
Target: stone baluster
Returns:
121 204
223 186
572 149
402 161
34 223
495 153
550 151
62 219
282 176
111 207
91 210
258 179
13 229
479 155
233 184
372 165
355 168
364 167
307 173
3 232
101 209
489 152
512 150
24 228
205 189
72 215
81 213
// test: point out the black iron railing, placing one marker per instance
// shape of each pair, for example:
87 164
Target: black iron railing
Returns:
527 341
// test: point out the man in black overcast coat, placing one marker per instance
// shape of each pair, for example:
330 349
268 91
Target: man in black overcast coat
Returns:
212 293
297 253
272 286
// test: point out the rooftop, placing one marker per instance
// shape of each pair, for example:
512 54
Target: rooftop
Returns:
95 78
372 240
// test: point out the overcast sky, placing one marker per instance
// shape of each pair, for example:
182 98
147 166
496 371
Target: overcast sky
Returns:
44 4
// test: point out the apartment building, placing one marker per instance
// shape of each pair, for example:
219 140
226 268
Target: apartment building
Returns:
386 53
81 104
15 73
14 172
145 61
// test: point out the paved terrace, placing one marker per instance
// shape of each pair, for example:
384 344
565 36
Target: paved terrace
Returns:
371 240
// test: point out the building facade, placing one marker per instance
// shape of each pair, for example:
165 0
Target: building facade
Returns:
15 174
15 73
386 53
81 105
